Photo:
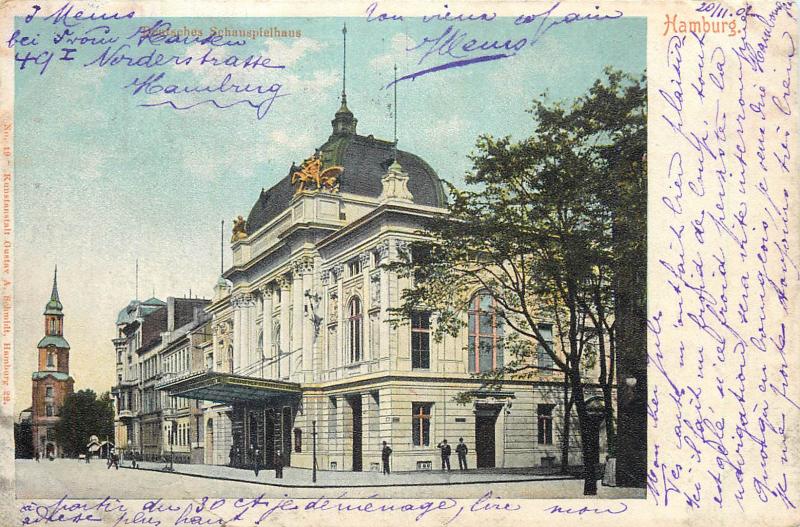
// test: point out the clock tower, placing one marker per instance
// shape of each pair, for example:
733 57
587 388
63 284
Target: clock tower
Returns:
51 382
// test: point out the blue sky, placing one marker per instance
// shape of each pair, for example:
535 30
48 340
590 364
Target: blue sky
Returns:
102 181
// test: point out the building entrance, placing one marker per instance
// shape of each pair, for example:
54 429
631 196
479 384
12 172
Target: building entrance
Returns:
485 420
355 406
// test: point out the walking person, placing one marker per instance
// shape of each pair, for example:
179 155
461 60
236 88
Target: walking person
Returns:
256 460
386 453
461 450
278 465
445 449
37 456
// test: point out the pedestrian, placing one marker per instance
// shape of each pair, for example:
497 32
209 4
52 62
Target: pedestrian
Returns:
37 456
232 456
115 460
278 465
88 456
386 453
256 460
445 448
461 450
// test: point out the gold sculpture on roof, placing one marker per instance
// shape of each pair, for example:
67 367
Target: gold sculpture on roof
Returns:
311 173
239 232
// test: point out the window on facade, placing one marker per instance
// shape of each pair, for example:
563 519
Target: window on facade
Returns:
230 359
51 359
544 414
354 267
421 339
298 440
53 326
49 410
276 347
545 361
51 434
48 391
209 361
355 326
485 347
421 423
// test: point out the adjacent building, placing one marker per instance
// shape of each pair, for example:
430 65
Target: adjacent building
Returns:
157 340
51 383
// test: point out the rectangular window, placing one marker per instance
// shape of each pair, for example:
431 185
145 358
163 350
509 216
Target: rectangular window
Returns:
354 267
51 359
544 413
546 363
421 340
48 391
421 423
49 410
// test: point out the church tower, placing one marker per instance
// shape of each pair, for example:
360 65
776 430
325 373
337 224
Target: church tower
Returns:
51 382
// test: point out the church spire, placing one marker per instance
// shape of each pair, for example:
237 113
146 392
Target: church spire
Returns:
54 294
343 122
54 306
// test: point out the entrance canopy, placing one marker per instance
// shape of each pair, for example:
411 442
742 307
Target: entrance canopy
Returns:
227 388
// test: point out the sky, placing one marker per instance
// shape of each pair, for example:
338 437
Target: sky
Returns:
102 181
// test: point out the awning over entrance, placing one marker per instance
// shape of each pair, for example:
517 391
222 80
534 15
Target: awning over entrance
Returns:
227 388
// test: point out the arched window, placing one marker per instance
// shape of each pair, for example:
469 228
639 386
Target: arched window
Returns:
485 334
354 329
51 359
230 359
53 326
276 347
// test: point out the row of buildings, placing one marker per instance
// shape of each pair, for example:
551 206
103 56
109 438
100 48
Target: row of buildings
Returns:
296 346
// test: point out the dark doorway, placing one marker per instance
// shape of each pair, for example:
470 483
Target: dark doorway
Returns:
485 419
269 440
355 404
286 434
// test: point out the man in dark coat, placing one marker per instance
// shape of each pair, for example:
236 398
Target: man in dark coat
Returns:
256 460
385 455
461 450
445 448
278 464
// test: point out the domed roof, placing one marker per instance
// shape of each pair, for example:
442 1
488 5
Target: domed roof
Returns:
365 160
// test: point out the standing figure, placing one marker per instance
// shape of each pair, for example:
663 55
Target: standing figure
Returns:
38 456
386 453
256 460
445 448
461 450
232 456
278 464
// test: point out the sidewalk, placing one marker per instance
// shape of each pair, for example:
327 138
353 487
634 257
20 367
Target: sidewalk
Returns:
300 477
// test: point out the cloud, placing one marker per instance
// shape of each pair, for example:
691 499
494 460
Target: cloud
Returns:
289 54
398 52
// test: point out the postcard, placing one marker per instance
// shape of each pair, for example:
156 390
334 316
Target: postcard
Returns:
423 263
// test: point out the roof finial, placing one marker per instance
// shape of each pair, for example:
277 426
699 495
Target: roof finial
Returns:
344 64
395 113
54 294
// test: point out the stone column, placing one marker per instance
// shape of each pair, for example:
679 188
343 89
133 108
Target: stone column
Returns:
304 268
367 352
383 254
285 338
297 322
266 323
338 272
236 302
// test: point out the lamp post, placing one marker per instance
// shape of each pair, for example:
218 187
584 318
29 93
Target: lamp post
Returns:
314 451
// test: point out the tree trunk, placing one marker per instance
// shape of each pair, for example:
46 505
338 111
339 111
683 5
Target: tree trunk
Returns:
589 439
567 423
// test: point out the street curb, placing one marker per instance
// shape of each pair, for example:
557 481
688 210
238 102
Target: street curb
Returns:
288 486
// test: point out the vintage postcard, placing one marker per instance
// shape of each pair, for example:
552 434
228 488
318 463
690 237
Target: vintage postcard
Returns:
413 263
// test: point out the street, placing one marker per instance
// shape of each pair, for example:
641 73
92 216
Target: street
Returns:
77 479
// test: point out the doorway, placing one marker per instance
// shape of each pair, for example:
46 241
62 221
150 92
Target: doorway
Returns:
286 435
269 439
355 405
485 419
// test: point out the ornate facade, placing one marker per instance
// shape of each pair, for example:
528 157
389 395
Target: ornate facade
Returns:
302 348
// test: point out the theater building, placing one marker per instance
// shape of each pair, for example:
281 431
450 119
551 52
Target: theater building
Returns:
302 348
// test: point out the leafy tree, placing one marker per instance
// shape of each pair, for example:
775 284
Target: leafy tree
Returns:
82 416
544 227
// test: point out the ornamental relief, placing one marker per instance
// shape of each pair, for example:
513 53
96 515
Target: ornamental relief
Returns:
333 307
